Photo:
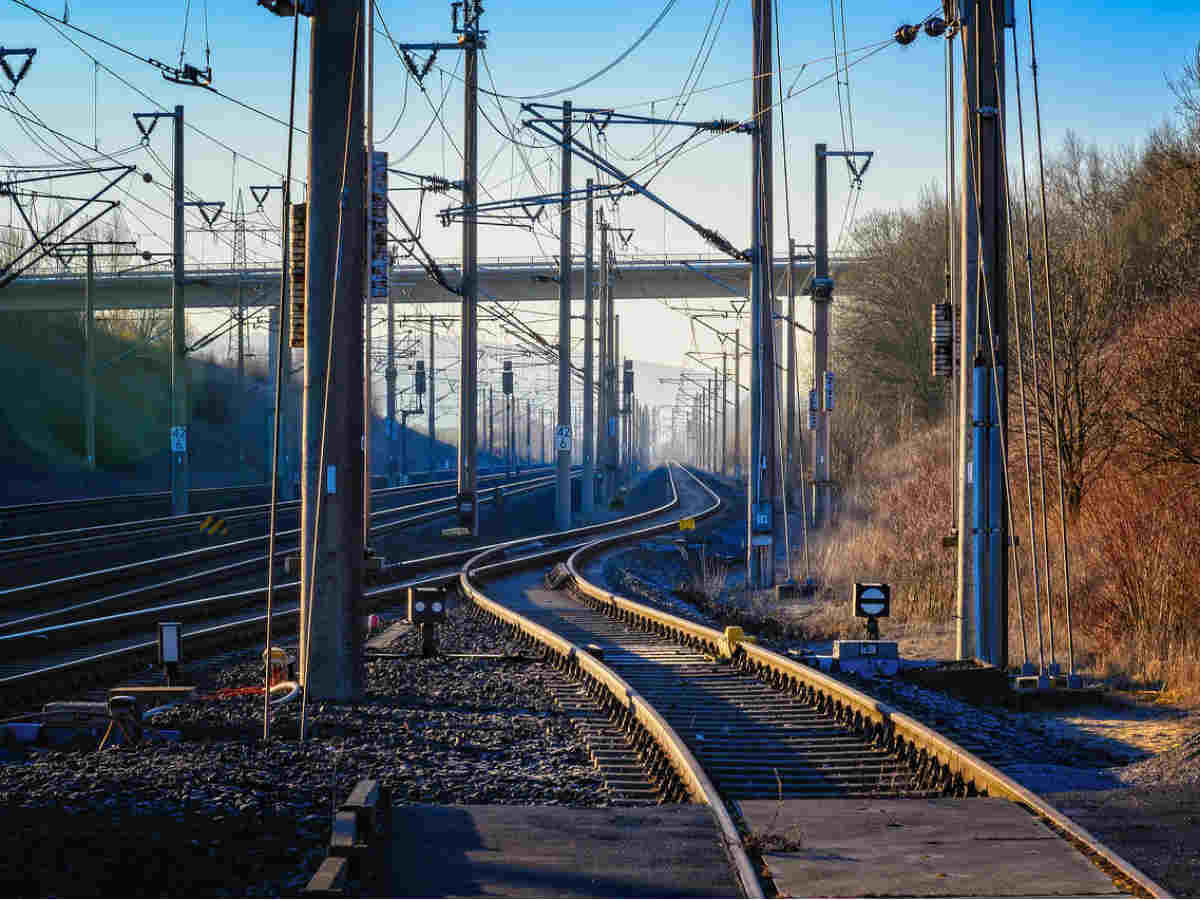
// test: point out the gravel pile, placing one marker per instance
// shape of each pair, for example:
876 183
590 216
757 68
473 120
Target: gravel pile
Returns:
218 813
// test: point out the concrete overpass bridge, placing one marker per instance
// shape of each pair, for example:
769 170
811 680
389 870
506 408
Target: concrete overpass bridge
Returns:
666 277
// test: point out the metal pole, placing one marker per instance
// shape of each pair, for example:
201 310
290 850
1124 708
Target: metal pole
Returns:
822 294
789 477
605 413
724 413
587 492
368 336
181 476
390 376
737 404
966 561
331 579
764 456
468 377
430 382
491 423
528 431
89 357
562 433
289 451
240 405
618 409
543 456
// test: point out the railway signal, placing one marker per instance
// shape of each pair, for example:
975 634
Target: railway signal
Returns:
872 601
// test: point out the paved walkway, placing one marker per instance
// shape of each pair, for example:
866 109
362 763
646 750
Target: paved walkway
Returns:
553 851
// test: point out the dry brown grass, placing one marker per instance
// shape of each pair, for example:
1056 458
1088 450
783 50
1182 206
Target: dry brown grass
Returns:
1135 562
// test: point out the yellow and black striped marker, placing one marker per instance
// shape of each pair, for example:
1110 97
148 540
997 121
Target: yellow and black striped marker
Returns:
214 526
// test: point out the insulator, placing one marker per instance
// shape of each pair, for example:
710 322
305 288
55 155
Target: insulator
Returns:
935 27
906 34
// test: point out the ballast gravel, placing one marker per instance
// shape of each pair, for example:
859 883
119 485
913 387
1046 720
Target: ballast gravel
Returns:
218 813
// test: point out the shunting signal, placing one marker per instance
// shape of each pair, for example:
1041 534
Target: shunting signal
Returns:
214 526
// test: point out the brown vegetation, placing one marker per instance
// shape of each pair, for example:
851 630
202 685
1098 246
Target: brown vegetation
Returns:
1124 290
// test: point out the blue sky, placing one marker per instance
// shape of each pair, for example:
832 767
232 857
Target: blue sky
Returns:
1103 70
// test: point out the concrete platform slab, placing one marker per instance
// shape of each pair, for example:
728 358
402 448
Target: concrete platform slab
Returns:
552 851
939 847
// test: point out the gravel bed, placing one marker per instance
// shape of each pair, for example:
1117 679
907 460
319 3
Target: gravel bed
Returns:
219 813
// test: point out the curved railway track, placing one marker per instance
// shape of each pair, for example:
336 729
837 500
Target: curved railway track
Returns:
67 647
129 539
707 717
723 721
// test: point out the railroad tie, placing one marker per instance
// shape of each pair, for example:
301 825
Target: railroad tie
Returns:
611 751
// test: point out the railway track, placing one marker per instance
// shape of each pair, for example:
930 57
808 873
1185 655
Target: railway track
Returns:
52 600
696 714
57 515
722 721
130 539
66 647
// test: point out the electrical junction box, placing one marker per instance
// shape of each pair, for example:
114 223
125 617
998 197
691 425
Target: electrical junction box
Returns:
507 378
419 378
822 288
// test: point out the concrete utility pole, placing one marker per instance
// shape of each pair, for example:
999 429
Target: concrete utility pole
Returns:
181 475
822 295
562 433
332 548
587 491
431 381
764 446
982 564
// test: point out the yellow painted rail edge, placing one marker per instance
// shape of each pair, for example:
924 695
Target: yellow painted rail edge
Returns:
947 753
689 770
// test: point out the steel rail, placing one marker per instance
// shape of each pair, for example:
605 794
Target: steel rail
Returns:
586 667
65 538
441 568
890 726
915 744
55 587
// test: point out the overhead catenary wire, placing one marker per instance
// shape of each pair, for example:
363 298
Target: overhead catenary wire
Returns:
54 23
